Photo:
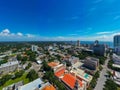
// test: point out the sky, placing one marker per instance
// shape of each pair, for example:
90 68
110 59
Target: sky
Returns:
59 20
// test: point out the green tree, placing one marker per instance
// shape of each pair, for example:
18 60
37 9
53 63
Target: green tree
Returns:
49 75
45 66
3 61
97 74
19 57
32 57
28 66
4 79
110 85
18 74
6 58
32 75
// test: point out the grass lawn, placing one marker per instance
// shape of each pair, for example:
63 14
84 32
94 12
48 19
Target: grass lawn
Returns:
12 55
25 80
118 88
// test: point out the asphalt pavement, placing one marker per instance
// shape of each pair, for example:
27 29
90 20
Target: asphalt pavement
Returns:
102 78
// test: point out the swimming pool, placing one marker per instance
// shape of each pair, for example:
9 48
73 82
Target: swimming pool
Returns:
86 76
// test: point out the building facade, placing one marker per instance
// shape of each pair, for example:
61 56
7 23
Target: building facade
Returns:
78 43
91 63
117 44
116 77
37 84
116 59
99 49
34 48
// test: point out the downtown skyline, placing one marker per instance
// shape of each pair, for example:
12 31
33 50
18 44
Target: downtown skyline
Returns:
52 20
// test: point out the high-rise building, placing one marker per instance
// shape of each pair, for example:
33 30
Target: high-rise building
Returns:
34 48
78 42
96 42
117 44
99 49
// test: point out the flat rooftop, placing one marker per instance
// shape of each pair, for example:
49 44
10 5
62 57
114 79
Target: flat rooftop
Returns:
32 85
9 64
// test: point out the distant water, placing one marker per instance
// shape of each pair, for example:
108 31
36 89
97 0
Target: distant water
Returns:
110 44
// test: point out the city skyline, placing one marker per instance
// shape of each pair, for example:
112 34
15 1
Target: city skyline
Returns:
53 20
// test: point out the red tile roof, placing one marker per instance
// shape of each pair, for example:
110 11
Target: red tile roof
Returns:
60 72
70 80
53 64
49 87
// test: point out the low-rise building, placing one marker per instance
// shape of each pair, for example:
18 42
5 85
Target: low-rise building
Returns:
77 64
37 84
116 59
116 77
9 67
73 60
65 46
56 66
48 86
70 80
82 75
2 56
14 86
73 83
91 63
53 64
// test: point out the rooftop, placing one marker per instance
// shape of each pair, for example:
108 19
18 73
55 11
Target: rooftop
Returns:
53 64
70 80
9 64
77 64
80 73
49 87
60 72
92 58
117 74
32 85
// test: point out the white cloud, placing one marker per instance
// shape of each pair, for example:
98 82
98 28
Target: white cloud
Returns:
61 37
99 33
101 37
19 34
29 35
72 34
6 31
7 35
117 33
12 34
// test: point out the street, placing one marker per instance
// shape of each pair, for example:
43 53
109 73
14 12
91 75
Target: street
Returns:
102 78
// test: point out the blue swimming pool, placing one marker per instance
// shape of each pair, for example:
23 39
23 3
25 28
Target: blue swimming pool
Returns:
86 75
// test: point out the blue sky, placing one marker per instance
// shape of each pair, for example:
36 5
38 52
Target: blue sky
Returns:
59 20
